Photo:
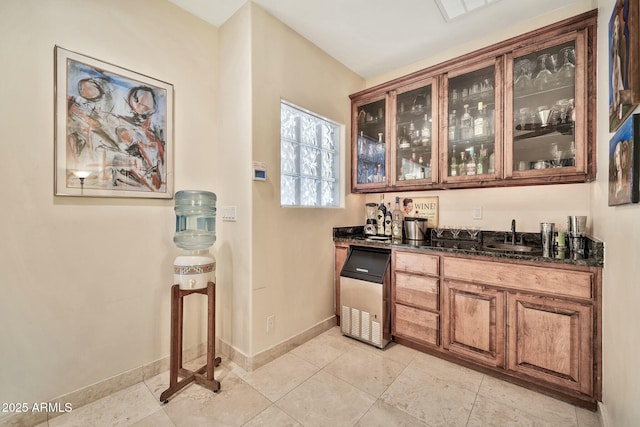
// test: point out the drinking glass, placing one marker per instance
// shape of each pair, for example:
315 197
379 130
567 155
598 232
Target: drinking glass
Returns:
544 76
567 70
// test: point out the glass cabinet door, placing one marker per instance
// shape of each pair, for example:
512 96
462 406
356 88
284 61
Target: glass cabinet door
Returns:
370 149
472 144
543 110
414 157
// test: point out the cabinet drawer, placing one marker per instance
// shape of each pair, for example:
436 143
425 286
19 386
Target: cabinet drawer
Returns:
417 325
417 263
521 277
420 291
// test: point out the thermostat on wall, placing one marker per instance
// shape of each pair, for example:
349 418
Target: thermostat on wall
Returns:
259 171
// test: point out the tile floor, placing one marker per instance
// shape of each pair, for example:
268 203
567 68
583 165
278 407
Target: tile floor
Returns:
335 381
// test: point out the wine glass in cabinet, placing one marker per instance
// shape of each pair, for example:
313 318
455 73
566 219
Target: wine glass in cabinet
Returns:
370 152
545 109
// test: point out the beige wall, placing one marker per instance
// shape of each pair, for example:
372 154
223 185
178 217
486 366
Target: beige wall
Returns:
85 282
620 228
292 248
232 169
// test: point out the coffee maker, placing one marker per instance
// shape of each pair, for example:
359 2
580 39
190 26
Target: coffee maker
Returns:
371 224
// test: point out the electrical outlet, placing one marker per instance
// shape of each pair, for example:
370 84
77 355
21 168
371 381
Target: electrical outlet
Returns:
271 320
477 212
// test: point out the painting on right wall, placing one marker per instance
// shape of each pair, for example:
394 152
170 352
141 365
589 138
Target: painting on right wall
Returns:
624 57
624 163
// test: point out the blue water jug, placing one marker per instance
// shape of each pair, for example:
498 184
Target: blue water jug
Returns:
195 220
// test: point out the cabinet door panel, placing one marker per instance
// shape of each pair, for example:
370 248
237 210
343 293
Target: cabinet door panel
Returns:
472 147
370 151
414 137
546 108
474 322
417 325
551 340
419 291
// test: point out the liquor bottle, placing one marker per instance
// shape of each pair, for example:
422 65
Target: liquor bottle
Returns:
453 126
420 168
453 168
414 134
471 163
382 212
478 123
466 124
396 221
492 162
481 161
388 219
462 166
426 130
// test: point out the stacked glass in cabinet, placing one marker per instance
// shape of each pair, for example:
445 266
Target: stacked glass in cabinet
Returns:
371 148
544 117
471 129
414 130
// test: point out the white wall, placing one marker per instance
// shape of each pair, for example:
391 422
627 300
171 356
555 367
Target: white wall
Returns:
85 282
620 228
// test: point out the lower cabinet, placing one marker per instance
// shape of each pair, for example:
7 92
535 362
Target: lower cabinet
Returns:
474 322
415 297
551 340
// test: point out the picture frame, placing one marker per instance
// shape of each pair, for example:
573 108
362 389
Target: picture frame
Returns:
113 130
624 58
624 163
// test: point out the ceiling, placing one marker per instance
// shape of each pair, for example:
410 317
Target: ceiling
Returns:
372 37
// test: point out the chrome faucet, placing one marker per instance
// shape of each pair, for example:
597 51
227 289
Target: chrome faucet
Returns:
513 231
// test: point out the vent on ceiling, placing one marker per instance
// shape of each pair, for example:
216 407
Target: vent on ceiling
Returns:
452 9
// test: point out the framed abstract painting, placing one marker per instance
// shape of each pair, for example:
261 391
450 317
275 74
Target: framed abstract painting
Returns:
113 130
624 60
624 163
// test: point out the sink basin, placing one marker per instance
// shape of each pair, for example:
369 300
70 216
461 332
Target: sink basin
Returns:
507 247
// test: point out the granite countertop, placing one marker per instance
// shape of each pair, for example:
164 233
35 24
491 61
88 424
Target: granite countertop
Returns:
593 256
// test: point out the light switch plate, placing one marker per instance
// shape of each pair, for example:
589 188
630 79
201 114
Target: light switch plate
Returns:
228 213
477 213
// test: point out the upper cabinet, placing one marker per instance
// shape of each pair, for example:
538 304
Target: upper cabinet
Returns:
521 112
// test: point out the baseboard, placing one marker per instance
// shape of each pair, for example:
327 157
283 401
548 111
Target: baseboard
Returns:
250 363
602 412
98 390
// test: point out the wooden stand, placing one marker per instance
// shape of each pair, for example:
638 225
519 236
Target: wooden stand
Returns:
204 375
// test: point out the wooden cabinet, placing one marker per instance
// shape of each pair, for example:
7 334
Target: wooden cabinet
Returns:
537 324
473 323
551 332
551 340
520 112
415 297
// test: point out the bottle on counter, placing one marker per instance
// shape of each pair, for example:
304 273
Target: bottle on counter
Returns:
397 218
388 219
382 212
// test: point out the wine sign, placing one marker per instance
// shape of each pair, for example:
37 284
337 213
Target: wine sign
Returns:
421 207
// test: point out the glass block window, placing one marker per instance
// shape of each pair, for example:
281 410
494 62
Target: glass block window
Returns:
309 158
